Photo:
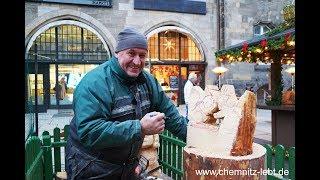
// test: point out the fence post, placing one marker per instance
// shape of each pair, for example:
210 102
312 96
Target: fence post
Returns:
165 153
34 163
280 155
174 159
180 154
57 150
66 133
48 171
269 155
169 155
45 133
292 167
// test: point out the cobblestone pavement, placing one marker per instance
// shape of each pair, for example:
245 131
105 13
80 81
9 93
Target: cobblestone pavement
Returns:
59 118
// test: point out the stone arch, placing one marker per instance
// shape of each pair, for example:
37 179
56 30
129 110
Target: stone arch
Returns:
170 22
68 16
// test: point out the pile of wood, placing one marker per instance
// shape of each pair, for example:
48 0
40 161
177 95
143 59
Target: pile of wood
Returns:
150 151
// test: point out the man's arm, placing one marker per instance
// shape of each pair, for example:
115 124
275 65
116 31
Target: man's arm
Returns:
92 109
175 123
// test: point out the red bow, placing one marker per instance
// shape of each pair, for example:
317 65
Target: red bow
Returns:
245 47
263 43
287 37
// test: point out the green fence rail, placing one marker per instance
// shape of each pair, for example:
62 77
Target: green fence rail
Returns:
280 160
43 157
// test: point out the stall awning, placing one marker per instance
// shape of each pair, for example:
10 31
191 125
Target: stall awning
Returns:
258 39
260 47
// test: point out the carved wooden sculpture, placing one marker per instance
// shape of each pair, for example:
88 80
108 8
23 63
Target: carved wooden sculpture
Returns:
220 133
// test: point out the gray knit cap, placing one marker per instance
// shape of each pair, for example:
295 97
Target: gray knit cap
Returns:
131 38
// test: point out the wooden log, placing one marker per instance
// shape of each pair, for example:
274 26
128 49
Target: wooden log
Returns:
149 150
224 167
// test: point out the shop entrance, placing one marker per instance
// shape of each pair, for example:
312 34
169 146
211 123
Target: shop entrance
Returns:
172 78
55 84
42 86
63 80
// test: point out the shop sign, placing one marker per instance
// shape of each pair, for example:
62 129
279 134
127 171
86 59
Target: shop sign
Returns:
182 6
100 3
174 82
196 67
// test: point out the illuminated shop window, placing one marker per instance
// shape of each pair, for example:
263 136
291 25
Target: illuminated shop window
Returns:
173 46
153 47
69 43
168 78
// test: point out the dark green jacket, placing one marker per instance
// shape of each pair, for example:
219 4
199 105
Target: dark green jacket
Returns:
104 107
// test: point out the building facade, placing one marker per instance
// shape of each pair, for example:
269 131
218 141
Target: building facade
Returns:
64 41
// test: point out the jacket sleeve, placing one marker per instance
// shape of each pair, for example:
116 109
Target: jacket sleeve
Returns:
92 109
176 123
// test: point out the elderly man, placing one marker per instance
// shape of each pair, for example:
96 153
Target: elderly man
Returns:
115 106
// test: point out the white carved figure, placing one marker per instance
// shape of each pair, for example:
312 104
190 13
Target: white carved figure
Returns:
225 123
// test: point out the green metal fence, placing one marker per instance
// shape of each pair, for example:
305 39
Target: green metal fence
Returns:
280 159
43 156
33 159
171 155
52 145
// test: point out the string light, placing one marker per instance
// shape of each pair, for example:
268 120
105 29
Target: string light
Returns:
258 50
291 43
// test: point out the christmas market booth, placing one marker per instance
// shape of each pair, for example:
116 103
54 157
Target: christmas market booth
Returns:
276 48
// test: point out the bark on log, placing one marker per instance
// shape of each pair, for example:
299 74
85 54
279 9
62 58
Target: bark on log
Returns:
231 167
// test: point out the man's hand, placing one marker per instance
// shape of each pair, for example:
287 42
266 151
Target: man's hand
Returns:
152 123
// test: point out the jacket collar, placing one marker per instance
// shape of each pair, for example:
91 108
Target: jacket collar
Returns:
123 76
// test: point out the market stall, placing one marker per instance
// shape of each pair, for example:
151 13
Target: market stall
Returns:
276 48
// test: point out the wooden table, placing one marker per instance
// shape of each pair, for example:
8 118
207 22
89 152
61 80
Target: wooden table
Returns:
283 124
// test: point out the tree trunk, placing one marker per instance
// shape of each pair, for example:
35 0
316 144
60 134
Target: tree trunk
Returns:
224 167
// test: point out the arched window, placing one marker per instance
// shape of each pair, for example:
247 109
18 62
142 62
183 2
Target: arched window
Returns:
69 43
173 46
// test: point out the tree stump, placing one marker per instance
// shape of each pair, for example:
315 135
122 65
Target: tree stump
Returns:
224 167
223 149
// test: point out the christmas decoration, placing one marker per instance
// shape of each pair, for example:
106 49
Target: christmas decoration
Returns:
276 47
